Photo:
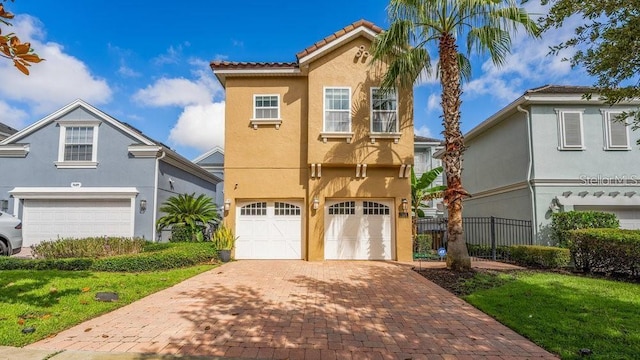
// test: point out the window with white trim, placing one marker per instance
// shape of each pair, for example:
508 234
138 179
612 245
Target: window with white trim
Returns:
266 107
570 130
78 144
254 209
285 209
343 208
616 131
384 111
337 110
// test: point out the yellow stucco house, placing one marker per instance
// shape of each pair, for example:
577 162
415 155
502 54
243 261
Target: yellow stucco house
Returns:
317 159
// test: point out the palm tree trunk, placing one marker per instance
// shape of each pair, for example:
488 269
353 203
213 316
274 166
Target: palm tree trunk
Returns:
457 254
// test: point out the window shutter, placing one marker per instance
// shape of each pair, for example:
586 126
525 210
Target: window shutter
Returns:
617 132
572 130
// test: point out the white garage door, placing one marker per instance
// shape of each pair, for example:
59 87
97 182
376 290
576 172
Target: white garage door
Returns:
52 219
269 230
358 230
629 216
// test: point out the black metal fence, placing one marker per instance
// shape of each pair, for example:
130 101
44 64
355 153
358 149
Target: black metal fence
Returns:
487 238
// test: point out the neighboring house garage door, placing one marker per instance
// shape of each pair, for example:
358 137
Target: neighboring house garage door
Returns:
629 216
52 219
269 230
358 230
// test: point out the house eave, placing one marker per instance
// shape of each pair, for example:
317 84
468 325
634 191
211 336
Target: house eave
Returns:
14 150
180 162
368 33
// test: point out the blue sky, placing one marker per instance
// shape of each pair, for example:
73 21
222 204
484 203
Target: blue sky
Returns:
146 62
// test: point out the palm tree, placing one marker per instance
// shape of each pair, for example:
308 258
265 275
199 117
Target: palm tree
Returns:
188 211
486 25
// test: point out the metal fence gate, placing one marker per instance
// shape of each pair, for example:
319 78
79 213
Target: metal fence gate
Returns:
487 238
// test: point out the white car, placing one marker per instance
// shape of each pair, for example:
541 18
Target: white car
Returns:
10 234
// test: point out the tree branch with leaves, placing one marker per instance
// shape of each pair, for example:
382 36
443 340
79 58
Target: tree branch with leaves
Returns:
12 48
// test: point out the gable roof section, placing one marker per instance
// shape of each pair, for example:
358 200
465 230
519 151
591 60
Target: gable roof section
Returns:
361 27
6 130
204 156
423 139
127 129
547 94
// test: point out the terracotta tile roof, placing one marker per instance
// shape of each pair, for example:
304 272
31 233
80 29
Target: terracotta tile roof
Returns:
560 89
338 34
220 65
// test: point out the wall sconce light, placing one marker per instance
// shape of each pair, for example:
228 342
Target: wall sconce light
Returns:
554 208
227 205
143 206
405 205
316 203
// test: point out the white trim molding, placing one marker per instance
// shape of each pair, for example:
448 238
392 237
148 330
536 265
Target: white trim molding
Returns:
385 136
336 135
74 192
608 118
324 110
562 129
573 200
368 33
144 151
14 150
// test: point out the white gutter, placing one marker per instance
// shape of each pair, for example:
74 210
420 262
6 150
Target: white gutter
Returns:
534 213
155 194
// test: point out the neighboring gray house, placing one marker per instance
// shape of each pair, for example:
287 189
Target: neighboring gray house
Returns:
6 131
213 162
79 172
423 161
552 150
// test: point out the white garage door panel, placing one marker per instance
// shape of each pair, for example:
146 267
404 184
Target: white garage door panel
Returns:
358 230
52 219
269 230
629 216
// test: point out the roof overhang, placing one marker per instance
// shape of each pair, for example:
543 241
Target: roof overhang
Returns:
330 46
14 150
222 74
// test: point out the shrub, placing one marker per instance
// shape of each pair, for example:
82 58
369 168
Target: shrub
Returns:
562 223
93 247
423 244
223 238
606 250
155 257
546 257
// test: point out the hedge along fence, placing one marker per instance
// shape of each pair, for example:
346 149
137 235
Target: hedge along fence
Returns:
154 257
92 247
562 223
606 250
546 257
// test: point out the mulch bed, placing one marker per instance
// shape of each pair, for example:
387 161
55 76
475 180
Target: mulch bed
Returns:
450 280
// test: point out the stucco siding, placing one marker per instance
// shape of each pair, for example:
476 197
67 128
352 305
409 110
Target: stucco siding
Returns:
510 205
498 157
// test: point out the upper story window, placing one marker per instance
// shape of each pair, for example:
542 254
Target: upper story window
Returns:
266 107
266 110
384 111
570 130
616 132
78 146
337 110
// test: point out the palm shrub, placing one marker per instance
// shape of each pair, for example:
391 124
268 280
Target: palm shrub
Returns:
190 213
417 26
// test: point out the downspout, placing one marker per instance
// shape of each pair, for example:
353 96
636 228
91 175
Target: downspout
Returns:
155 194
530 174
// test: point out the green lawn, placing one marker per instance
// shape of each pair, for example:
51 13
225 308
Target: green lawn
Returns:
564 314
52 301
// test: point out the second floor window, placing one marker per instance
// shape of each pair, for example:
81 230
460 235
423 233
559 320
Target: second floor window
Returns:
337 110
78 145
266 107
384 111
570 130
616 131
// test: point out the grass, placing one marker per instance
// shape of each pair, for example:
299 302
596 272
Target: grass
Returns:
564 313
51 301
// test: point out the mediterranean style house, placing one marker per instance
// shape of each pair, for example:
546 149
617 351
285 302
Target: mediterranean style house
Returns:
553 150
79 172
317 158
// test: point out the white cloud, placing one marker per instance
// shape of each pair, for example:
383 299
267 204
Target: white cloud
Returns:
200 126
528 65
12 116
433 103
58 80
423 131
126 71
174 91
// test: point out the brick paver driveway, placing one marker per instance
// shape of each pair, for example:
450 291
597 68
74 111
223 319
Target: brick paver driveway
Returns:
302 310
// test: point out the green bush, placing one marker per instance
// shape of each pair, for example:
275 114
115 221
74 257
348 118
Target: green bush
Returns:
154 257
223 238
546 257
606 250
93 247
562 223
423 244
181 233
